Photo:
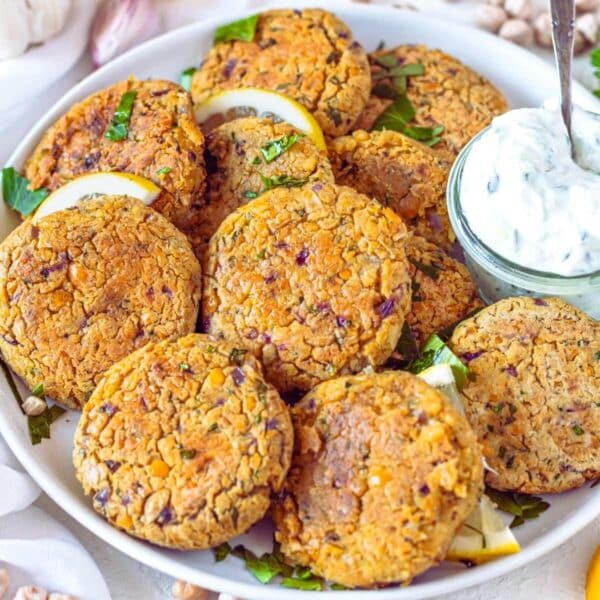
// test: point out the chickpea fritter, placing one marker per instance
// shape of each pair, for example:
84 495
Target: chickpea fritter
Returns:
240 155
403 174
164 144
182 443
384 472
81 288
307 54
314 281
448 93
533 397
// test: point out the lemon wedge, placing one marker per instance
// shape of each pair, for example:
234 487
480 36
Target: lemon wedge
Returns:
254 102
483 536
592 583
442 378
98 184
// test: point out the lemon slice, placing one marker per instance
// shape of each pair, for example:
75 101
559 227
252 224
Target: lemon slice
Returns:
592 582
483 536
254 102
98 184
442 378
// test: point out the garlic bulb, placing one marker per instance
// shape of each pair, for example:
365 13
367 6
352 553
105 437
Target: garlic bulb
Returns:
46 18
26 22
14 28
121 24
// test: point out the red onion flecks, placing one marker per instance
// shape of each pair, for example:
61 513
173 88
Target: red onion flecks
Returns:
119 25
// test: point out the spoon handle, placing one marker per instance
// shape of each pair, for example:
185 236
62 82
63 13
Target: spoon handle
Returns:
563 20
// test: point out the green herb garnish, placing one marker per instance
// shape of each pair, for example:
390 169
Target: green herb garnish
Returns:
222 551
272 150
243 30
312 583
38 390
187 454
281 181
16 192
164 171
430 270
577 429
119 126
184 366
265 567
435 352
522 506
39 427
185 78
250 195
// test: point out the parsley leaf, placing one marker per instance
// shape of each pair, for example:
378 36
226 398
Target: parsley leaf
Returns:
265 567
39 426
185 78
312 583
119 126
435 352
16 192
281 181
243 30
164 171
396 116
38 390
272 150
222 551
522 506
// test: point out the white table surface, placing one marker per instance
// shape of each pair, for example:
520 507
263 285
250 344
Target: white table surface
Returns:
559 575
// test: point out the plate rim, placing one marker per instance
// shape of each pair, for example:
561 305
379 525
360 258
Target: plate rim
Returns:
146 553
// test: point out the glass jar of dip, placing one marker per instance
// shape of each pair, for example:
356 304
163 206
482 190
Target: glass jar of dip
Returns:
496 276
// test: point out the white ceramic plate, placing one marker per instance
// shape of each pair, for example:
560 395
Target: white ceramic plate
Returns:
526 81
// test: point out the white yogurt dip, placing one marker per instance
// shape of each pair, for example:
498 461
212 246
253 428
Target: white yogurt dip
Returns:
524 196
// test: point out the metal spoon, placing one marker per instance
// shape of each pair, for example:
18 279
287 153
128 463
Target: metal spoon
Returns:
563 21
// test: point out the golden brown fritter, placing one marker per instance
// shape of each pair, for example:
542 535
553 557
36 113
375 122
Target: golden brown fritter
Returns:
81 288
237 165
403 174
443 291
307 54
314 281
163 136
534 396
384 472
448 93
182 443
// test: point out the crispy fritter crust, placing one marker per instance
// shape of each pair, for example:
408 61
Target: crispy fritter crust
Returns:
313 281
403 174
162 134
534 399
236 164
81 288
443 291
384 472
448 93
308 55
182 443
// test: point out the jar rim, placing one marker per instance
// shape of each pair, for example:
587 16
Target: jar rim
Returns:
486 256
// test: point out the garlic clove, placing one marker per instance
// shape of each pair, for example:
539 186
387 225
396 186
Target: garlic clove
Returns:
121 24
33 406
542 29
588 26
519 9
517 31
47 18
490 17
14 28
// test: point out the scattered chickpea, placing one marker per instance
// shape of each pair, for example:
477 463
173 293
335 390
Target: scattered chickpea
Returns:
542 29
519 9
517 31
34 406
490 17
31 592
183 590
4 581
